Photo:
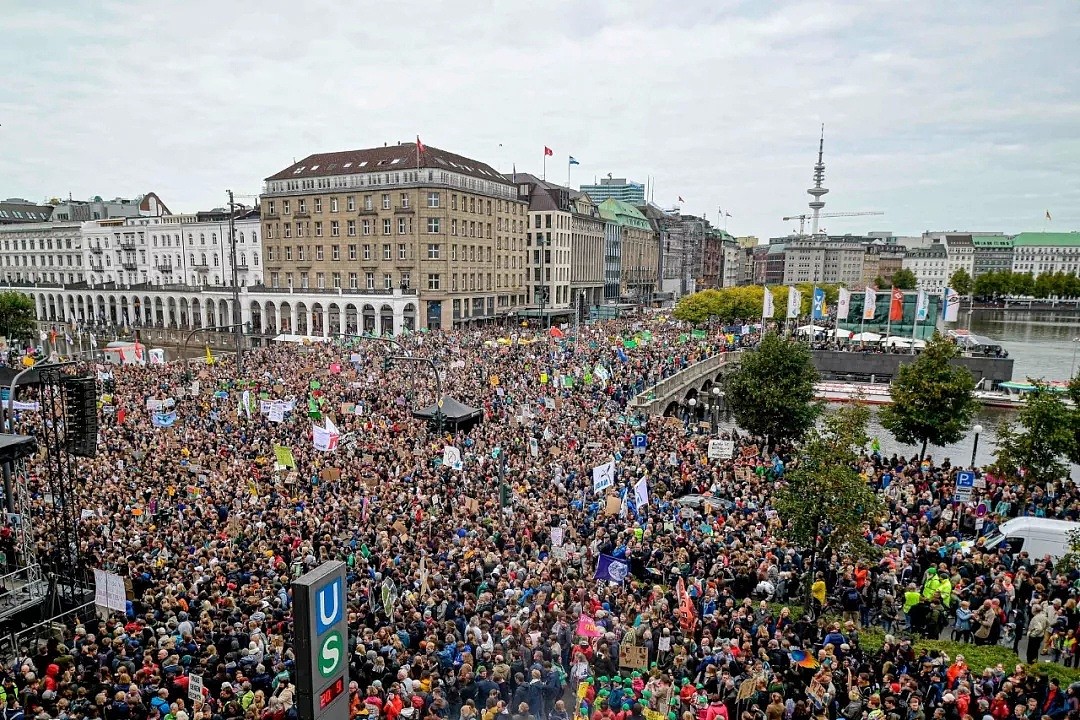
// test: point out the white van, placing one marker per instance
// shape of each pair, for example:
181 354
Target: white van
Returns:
1038 536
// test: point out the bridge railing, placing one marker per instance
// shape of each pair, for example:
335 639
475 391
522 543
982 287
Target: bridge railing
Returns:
652 400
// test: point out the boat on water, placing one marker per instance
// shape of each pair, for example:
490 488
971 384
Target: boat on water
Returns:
1011 394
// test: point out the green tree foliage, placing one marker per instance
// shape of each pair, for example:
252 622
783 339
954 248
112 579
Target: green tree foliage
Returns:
1033 445
933 400
825 504
904 279
961 281
1005 283
771 393
16 314
745 302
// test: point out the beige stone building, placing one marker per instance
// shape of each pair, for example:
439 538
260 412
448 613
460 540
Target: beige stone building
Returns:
400 218
586 251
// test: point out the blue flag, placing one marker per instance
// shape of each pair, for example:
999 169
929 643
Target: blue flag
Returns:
573 161
818 312
622 355
611 569
163 420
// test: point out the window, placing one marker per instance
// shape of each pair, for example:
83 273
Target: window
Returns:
335 252
367 226
433 251
284 207
386 252
434 281
453 227
351 228
335 228
336 279
288 252
270 232
386 201
273 279
320 280
433 226
433 199
404 200
319 252
353 282
318 229
369 280
303 281
453 252
301 252
402 253
300 228
269 207
402 226
333 204
387 228
288 229
405 280
301 205
453 202
367 252
388 281
367 202
350 203
318 205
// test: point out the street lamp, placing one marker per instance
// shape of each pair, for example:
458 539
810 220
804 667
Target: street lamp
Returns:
716 393
975 446
692 404
1072 369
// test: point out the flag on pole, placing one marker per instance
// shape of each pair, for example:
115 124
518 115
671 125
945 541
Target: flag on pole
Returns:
1048 215
794 302
869 303
922 306
641 493
768 309
950 308
209 355
573 161
843 304
325 439
896 305
548 151
680 199
819 310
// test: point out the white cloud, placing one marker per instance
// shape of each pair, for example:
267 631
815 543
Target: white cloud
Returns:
941 115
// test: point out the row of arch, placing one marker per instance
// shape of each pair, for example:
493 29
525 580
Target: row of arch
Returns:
301 317
677 408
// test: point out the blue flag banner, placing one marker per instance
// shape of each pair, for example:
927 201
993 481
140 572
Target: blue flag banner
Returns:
163 420
611 569
819 310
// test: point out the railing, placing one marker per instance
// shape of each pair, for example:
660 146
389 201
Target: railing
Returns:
96 249
647 399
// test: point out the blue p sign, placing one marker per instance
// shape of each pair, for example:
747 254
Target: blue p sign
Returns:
329 605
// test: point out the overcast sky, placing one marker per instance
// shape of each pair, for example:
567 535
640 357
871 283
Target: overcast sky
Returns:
942 115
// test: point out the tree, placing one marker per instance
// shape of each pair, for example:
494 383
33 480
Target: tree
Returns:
771 393
961 282
1032 446
933 400
16 314
904 279
825 504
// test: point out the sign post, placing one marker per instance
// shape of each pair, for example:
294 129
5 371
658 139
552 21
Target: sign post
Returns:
965 481
641 442
321 637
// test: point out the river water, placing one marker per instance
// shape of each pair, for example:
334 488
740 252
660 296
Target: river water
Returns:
1042 344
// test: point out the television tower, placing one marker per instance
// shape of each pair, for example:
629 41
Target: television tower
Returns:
817 191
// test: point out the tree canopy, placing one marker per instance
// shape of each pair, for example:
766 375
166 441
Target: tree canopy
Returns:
904 279
16 314
771 393
933 399
745 302
961 281
1033 445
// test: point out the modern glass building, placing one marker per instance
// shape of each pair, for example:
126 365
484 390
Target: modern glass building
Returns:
881 325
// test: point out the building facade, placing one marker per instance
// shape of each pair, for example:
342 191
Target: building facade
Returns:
547 242
824 259
42 252
448 227
16 211
586 251
930 266
636 252
993 252
961 252
1042 252
148 205
617 188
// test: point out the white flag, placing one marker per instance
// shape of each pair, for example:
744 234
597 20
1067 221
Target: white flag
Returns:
922 306
325 439
277 411
451 457
794 302
843 304
869 303
641 493
603 476
768 309
950 308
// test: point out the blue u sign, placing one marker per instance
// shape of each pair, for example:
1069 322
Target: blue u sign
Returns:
329 605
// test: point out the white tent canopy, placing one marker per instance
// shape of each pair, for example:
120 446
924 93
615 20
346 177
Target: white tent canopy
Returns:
288 338
842 334
811 329
866 337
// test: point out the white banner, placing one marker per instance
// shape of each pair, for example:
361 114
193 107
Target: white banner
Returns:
794 302
721 449
951 307
603 476
843 304
325 439
869 303
768 309
109 591
451 457
641 493
277 412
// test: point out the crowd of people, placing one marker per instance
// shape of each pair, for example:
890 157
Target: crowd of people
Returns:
473 588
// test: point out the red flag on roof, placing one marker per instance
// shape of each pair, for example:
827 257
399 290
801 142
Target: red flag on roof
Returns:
419 145
548 151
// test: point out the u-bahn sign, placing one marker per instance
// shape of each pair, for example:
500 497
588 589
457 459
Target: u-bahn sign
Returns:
322 635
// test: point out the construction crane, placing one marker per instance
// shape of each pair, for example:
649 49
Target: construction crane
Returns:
806 216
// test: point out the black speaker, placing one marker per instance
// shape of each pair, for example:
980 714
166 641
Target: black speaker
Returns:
80 416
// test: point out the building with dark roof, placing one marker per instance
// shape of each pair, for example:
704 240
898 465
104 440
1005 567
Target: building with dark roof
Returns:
16 211
548 244
401 217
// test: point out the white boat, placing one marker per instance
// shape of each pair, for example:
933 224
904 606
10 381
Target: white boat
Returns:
840 392
1011 394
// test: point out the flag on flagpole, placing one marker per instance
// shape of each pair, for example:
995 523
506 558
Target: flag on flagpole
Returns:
768 309
869 303
1048 215
950 308
548 151
922 306
209 355
573 161
641 493
819 310
727 214
680 199
419 150
843 304
896 305
325 439
794 302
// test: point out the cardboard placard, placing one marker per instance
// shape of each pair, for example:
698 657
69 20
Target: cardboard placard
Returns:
472 505
612 505
633 656
330 474
400 528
